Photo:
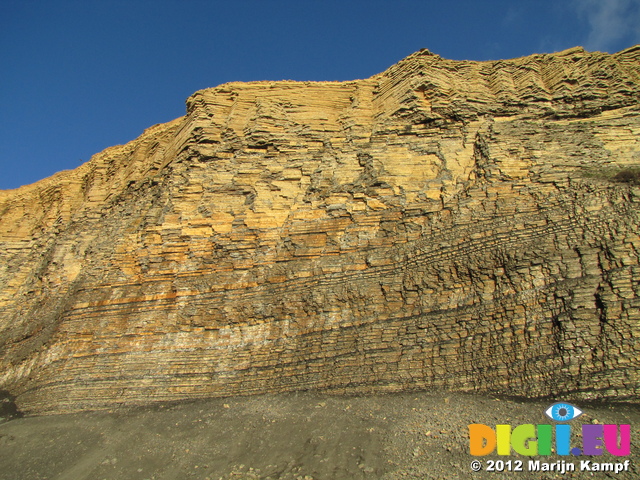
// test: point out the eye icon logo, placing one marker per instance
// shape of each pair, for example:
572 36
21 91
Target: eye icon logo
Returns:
563 412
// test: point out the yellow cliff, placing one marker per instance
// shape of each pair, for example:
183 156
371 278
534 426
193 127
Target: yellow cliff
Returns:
444 224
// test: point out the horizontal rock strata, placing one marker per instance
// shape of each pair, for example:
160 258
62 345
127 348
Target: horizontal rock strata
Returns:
444 224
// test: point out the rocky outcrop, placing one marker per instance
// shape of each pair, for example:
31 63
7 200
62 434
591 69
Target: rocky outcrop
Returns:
444 224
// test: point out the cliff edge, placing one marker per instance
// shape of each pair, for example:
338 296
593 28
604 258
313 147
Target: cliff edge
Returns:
469 226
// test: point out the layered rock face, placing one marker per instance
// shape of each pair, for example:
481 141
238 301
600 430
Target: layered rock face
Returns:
444 224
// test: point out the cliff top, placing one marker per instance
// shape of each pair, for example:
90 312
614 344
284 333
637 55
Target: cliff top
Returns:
570 83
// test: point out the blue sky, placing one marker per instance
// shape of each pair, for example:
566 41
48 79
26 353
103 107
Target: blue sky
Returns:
79 76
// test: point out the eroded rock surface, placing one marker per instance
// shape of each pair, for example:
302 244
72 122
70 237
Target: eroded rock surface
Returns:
437 225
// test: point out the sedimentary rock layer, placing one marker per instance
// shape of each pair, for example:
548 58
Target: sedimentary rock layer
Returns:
443 224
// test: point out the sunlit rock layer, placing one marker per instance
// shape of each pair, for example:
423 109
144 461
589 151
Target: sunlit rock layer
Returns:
444 224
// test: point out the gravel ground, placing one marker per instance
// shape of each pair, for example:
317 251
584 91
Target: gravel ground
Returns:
294 436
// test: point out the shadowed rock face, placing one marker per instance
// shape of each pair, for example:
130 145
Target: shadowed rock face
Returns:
443 224
8 409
